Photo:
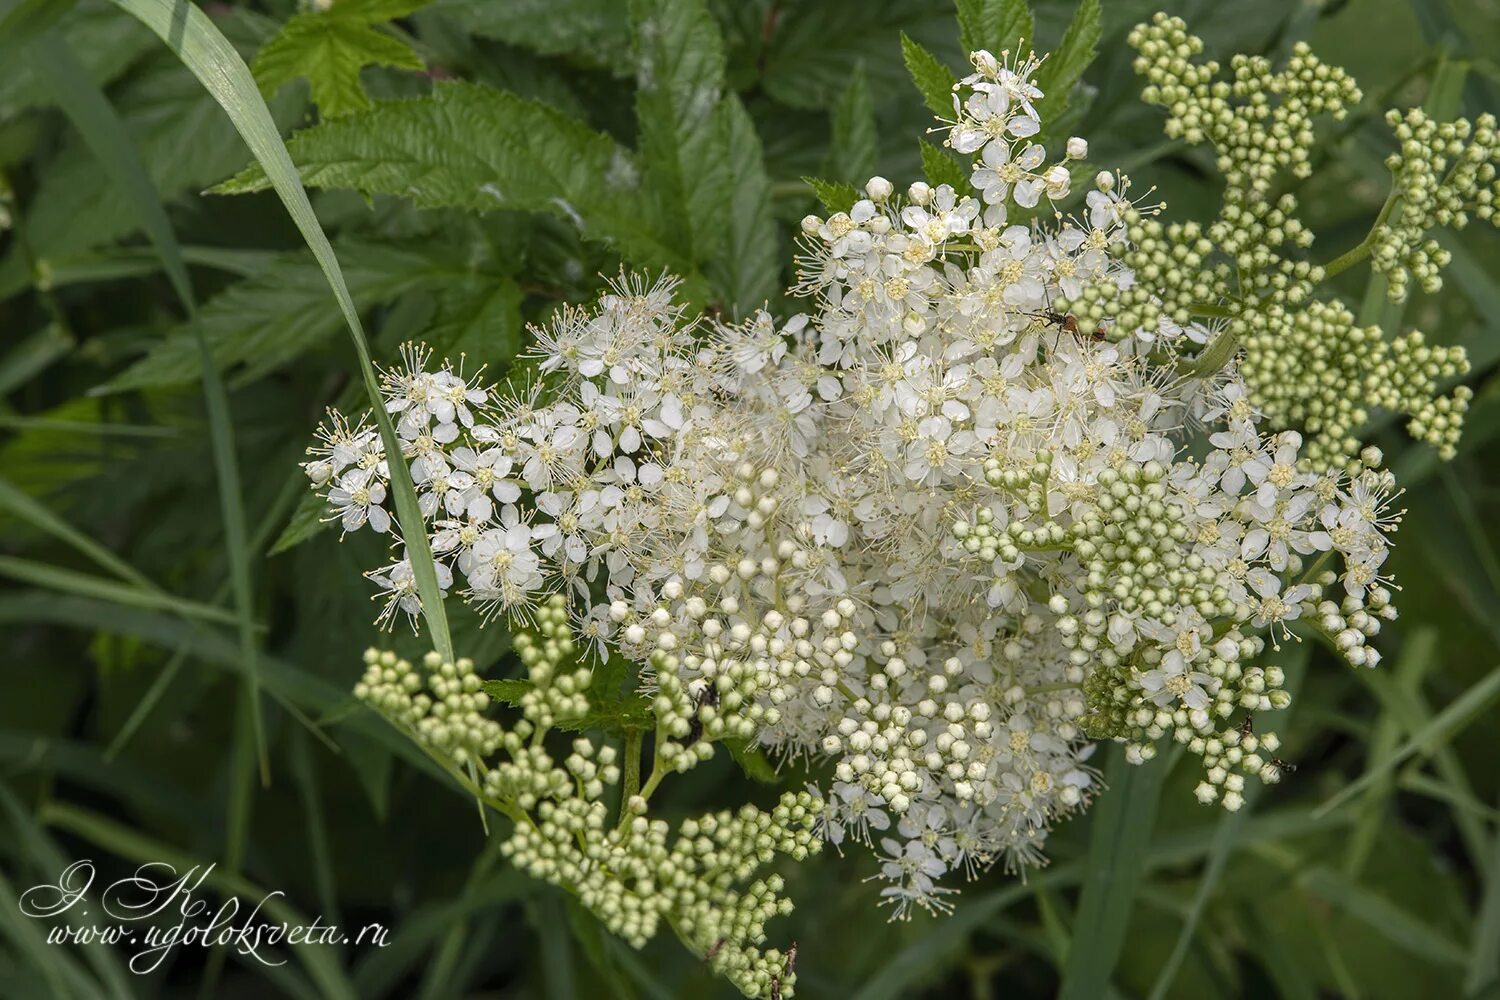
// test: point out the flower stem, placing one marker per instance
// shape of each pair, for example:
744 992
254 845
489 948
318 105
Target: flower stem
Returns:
1359 252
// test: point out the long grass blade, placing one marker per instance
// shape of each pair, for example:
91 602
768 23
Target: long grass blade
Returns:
84 585
1226 839
1483 968
1426 741
1122 820
896 978
104 133
205 51
46 858
131 845
16 502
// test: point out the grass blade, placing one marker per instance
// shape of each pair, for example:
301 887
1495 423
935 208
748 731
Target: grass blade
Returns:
82 584
47 859
1484 958
104 133
1123 819
15 501
205 51
1226 839
1431 737
133 846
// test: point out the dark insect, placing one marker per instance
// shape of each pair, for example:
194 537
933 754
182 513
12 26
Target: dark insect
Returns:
791 959
775 988
1066 322
1247 727
714 950
708 696
1282 765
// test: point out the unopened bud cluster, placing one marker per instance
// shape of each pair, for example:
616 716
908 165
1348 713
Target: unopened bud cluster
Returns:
1443 174
703 878
1306 363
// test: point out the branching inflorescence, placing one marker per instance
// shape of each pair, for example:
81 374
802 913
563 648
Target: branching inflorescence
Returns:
941 532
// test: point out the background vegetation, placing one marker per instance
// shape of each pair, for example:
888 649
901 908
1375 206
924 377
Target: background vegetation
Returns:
177 659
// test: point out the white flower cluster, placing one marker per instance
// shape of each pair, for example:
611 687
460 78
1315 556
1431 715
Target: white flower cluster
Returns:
929 532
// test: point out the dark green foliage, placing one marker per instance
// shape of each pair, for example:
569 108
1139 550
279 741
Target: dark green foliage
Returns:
479 164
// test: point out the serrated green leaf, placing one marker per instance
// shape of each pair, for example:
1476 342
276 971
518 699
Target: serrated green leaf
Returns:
478 318
933 80
679 83
941 167
815 46
306 521
994 25
330 48
592 29
284 311
615 703
630 712
752 760
515 154
507 692
1065 65
836 196
851 157
746 274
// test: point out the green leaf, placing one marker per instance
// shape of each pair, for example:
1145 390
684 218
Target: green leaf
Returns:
306 521
479 319
107 41
594 940
941 167
1395 924
746 274
814 47
507 692
285 310
1484 957
994 25
203 49
934 81
18 503
679 86
104 132
616 714
1427 740
330 47
753 761
851 157
131 845
69 581
836 196
593 29
1122 821
165 113
1229 829
516 154
1065 64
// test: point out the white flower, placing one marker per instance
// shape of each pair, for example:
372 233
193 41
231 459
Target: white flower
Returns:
357 499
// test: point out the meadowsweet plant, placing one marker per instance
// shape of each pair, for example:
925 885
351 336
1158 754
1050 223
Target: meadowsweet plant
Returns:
1014 482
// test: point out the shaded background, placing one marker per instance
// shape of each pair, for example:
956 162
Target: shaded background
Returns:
124 732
